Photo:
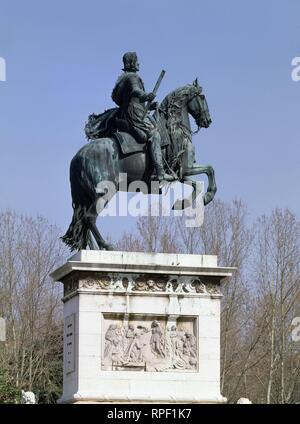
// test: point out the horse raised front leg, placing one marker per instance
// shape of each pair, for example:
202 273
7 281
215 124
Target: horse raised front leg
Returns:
209 171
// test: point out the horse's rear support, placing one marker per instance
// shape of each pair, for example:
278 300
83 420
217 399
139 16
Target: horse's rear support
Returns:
102 244
189 201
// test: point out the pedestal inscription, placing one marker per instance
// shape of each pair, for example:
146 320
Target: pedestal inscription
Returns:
148 344
69 343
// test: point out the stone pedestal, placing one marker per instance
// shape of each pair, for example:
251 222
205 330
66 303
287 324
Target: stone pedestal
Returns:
141 328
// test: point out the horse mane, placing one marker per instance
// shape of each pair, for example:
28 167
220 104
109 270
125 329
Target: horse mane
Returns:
170 110
175 97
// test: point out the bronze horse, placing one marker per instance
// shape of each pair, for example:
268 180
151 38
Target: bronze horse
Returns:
101 160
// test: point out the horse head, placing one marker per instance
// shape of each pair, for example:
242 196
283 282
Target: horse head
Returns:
197 106
186 100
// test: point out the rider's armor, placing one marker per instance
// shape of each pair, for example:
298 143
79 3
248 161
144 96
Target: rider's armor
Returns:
129 94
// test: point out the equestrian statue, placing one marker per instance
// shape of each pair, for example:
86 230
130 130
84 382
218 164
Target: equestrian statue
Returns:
130 140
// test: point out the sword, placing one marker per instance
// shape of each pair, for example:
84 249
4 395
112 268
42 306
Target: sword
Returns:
156 87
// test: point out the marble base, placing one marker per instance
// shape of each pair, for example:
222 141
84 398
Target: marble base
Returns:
141 328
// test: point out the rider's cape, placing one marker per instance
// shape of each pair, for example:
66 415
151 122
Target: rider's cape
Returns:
104 125
101 125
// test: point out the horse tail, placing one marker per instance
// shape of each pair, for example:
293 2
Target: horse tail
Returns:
78 234
94 163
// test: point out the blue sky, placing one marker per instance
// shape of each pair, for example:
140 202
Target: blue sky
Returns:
63 58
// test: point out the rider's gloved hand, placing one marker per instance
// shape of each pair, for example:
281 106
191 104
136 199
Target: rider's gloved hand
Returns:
150 97
153 105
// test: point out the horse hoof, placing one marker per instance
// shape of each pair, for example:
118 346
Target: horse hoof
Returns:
178 205
207 198
109 247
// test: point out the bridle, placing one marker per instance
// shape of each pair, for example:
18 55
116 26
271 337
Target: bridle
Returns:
198 116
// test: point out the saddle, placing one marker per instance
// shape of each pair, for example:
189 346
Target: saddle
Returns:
108 124
128 143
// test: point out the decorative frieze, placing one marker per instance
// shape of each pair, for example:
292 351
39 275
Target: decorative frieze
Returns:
141 283
71 285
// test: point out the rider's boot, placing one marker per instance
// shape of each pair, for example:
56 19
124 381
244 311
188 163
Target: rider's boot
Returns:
156 156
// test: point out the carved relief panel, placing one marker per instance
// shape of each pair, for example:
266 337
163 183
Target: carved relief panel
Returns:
149 343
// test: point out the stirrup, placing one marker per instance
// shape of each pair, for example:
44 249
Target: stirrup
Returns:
165 177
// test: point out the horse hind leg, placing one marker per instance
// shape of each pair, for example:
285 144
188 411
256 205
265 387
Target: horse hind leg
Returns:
102 244
104 196
90 241
189 201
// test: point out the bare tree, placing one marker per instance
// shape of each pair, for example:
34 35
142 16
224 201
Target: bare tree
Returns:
153 234
277 276
29 250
